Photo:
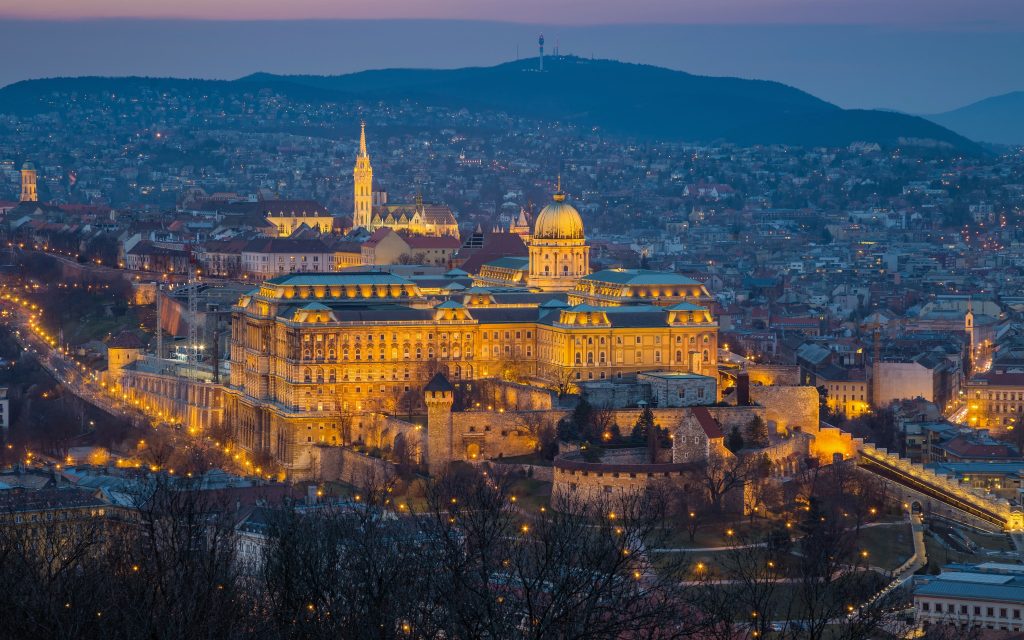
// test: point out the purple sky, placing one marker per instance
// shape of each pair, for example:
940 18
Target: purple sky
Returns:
982 13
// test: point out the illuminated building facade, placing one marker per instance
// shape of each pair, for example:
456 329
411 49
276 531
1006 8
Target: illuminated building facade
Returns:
996 401
311 353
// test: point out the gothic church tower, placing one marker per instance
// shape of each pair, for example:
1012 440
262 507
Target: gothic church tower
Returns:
362 178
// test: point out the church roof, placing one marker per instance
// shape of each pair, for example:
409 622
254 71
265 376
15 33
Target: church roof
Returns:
438 214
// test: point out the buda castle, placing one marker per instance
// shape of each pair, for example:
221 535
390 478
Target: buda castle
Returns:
371 209
315 355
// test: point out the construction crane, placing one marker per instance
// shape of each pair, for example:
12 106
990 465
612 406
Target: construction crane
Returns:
192 353
159 327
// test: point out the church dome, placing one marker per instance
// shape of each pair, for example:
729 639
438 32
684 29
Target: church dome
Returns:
559 221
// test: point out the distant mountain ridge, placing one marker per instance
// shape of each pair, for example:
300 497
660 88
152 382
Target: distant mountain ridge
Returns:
998 119
636 100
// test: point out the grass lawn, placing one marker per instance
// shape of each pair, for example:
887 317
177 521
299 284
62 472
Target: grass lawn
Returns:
938 555
531 493
994 542
716 533
889 546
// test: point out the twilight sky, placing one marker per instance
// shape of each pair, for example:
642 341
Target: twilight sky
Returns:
920 56
898 12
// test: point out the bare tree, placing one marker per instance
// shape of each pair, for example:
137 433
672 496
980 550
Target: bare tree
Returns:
721 474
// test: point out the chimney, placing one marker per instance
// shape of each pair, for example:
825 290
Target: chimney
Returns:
743 389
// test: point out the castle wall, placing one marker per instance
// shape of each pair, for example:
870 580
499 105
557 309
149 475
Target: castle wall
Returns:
348 466
773 374
788 408
579 481
481 435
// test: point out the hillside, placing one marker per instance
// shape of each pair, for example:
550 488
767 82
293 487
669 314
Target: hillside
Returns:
627 99
997 119
642 101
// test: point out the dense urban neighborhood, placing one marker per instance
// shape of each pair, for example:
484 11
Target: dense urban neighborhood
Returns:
453 372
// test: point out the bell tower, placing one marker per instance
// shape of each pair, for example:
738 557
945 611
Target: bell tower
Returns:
362 179
28 183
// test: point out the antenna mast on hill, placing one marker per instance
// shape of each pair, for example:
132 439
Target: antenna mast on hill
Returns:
540 41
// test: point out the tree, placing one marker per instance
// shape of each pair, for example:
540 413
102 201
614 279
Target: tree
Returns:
538 425
576 572
720 474
757 432
644 423
734 441
581 420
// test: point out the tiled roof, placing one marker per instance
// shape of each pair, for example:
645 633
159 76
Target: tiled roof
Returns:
707 422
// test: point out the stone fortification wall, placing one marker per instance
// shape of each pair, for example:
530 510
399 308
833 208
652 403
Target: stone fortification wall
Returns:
351 467
788 408
617 478
773 374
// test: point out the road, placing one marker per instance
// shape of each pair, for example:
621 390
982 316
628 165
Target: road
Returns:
75 377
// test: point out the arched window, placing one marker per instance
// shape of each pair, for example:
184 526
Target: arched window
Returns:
307 375
706 356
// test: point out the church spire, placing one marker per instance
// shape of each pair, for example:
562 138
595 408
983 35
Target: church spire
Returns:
362 179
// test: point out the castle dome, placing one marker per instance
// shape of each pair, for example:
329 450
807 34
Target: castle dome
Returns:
559 221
